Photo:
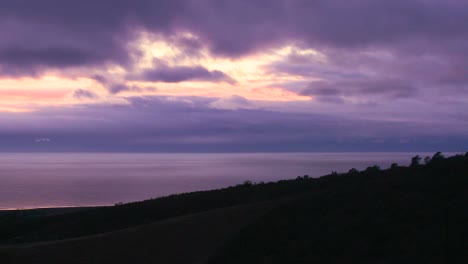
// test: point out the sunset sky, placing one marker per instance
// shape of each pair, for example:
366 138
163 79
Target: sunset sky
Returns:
233 75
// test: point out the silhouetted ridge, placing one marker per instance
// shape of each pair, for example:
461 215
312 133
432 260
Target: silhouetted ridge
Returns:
417 214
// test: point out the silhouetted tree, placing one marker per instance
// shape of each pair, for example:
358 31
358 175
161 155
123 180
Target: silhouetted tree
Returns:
394 166
427 159
247 183
438 156
415 161
353 171
374 168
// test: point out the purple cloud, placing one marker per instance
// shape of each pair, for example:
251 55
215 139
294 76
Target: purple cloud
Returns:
388 88
160 124
84 94
185 73
234 102
118 88
89 32
397 68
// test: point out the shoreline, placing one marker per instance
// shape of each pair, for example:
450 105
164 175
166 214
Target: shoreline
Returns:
51 208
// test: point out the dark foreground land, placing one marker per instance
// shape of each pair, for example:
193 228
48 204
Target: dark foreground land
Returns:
415 214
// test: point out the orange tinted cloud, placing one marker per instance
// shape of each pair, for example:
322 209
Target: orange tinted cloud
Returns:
33 95
253 82
22 93
13 109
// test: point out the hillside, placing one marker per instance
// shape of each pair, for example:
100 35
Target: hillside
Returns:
414 214
401 215
187 239
35 226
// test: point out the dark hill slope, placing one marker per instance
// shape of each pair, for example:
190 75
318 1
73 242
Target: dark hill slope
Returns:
401 215
186 239
25 227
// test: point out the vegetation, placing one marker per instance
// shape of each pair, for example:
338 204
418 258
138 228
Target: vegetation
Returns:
414 214
400 215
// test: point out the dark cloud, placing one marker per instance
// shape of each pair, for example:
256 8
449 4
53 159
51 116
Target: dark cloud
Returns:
100 78
386 88
185 73
50 56
84 94
85 32
118 88
72 33
191 46
115 86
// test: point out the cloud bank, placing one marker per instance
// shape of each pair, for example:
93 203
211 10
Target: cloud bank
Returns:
294 71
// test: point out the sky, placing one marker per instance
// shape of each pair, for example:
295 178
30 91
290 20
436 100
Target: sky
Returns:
233 75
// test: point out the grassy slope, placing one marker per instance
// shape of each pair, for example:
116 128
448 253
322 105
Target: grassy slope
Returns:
404 215
187 239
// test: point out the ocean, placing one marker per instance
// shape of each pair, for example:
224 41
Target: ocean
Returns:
35 180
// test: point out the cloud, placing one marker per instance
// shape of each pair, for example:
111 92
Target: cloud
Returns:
118 86
76 33
33 42
84 94
233 102
49 56
42 140
160 124
185 73
421 43
400 65
387 88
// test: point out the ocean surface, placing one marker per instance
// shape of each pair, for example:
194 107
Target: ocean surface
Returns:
80 179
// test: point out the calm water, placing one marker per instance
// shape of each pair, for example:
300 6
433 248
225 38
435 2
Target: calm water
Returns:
44 180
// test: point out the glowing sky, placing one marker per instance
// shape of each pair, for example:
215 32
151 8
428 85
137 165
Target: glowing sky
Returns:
230 75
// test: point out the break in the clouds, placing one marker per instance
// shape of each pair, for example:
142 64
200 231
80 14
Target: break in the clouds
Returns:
297 66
